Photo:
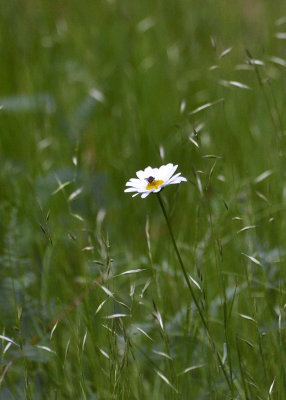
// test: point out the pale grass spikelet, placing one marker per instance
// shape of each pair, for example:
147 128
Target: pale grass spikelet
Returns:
153 180
166 380
46 348
144 333
7 339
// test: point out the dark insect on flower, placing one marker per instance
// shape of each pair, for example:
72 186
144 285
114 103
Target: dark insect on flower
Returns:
150 179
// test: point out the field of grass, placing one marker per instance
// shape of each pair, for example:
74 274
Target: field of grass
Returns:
93 301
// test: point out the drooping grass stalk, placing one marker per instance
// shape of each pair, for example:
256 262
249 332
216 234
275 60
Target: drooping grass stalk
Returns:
170 364
275 119
241 369
187 279
226 316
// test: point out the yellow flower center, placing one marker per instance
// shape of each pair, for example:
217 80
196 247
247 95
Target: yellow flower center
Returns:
154 184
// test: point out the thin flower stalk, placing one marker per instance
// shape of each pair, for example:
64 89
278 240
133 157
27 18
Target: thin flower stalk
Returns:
187 279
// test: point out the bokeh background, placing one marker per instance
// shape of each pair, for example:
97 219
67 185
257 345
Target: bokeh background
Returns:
91 92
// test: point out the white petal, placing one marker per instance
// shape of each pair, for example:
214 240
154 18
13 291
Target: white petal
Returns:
149 171
177 180
139 188
163 171
166 171
131 190
134 180
172 178
171 172
177 177
182 179
135 184
166 167
145 194
140 174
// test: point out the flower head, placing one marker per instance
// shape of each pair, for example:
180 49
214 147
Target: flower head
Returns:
152 180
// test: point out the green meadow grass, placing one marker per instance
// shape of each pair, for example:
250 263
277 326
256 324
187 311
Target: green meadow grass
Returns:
93 303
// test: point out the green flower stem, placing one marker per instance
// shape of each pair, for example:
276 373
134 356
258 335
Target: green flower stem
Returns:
187 279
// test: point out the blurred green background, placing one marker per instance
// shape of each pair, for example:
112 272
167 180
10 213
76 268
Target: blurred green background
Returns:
91 92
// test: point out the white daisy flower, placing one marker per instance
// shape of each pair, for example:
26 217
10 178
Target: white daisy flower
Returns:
152 180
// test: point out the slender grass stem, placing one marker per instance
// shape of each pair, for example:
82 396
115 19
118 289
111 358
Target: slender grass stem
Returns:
187 279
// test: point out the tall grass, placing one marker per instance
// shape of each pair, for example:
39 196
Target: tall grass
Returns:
93 302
